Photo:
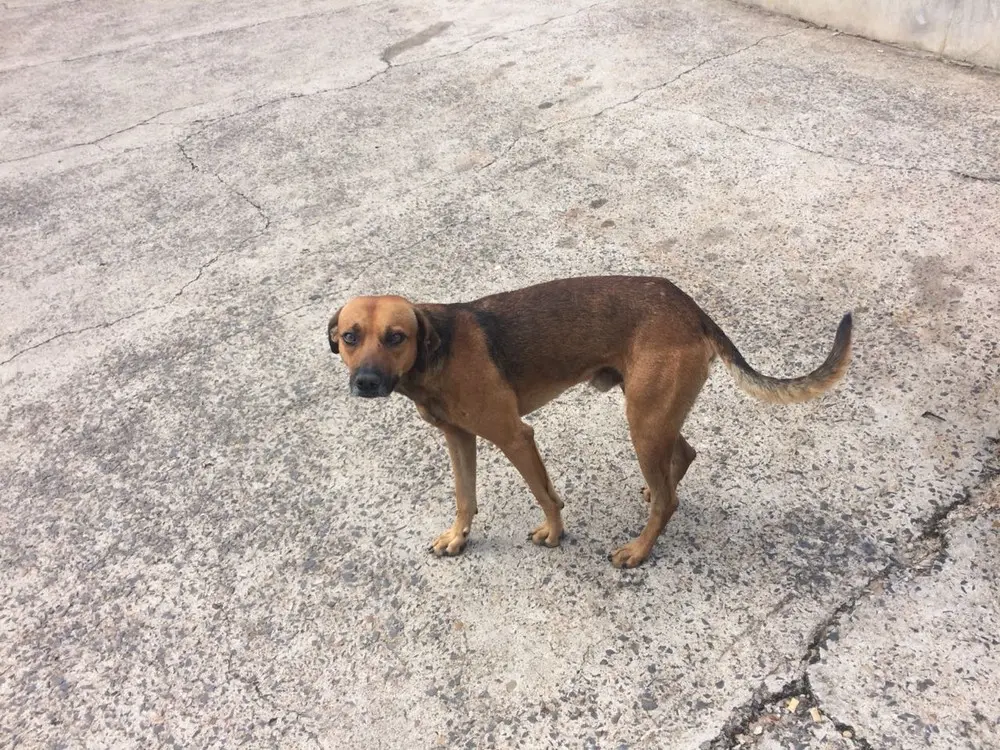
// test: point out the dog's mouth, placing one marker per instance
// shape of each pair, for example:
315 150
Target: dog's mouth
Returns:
369 383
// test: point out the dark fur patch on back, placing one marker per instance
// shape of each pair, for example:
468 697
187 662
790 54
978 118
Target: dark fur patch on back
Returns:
495 341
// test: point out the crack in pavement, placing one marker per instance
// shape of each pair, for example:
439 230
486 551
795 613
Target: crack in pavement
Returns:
242 243
636 97
265 217
995 179
231 188
256 206
931 543
324 297
389 65
741 722
961 174
215 259
63 334
239 194
932 548
183 37
122 318
97 141
391 52
204 267
183 288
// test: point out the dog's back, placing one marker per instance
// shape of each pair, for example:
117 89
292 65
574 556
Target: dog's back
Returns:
565 330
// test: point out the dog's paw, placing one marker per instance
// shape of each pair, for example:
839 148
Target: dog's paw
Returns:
451 542
546 535
645 494
631 555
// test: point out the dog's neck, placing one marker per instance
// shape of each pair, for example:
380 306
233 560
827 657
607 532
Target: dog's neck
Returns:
422 385
421 388
411 385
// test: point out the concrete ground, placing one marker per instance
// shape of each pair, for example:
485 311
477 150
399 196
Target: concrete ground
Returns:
206 543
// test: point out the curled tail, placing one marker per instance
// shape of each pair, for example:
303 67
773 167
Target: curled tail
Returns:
784 390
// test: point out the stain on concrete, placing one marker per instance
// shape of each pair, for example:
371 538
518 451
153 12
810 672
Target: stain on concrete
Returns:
935 282
500 70
665 246
531 164
715 235
420 38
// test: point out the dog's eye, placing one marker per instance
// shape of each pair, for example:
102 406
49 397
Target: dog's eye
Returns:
395 338
349 337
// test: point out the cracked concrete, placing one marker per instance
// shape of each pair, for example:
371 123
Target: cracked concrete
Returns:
208 544
859 162
797 716
632 99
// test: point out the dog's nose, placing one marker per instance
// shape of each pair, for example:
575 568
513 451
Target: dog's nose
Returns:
367 383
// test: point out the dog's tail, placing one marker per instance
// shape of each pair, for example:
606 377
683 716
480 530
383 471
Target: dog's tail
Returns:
784 390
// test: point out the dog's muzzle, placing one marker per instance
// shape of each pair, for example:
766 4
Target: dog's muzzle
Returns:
368 382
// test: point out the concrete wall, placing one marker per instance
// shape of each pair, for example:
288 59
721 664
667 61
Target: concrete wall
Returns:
967 30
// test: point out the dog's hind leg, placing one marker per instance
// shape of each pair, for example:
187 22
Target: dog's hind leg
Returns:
682 457
659 396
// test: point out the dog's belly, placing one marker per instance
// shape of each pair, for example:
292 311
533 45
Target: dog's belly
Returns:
529 402
534 398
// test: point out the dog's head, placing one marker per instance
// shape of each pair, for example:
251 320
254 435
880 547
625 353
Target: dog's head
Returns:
380 339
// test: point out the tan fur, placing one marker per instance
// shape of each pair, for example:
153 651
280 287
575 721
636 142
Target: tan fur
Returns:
474 369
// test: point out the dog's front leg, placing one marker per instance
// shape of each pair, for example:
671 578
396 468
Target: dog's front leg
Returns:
462 449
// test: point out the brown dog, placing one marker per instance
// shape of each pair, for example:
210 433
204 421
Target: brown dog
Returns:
474 369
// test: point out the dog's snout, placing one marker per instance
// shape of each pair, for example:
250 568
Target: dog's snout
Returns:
370 383
367 382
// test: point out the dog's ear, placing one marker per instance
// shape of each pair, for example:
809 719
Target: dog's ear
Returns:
428 340
332 335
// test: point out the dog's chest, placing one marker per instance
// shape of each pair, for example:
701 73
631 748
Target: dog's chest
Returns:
430 407
434 412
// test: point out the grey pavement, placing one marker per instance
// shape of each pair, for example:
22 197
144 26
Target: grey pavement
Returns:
206 543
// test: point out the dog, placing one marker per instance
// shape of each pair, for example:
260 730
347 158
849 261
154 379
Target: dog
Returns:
474 369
